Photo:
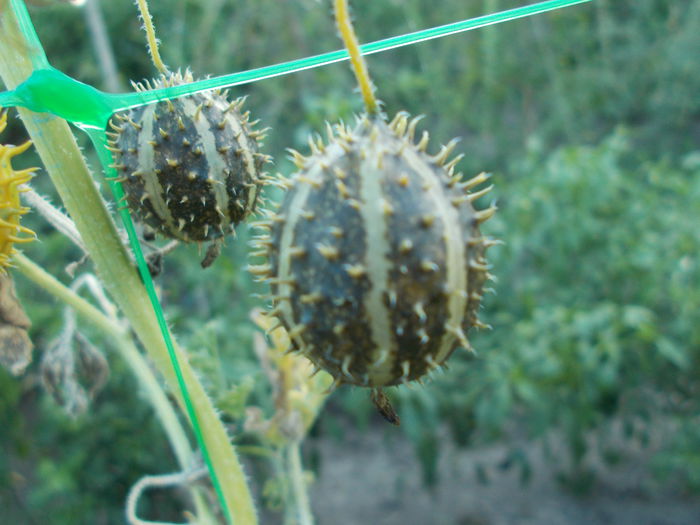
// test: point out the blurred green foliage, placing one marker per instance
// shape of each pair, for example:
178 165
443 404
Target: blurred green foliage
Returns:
588 118
597 292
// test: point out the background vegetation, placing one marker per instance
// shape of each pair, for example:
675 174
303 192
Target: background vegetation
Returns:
588 118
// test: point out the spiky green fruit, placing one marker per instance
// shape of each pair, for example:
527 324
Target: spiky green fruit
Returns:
190 167
375 256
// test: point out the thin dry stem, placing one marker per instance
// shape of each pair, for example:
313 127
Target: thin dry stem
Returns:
103 47
160 482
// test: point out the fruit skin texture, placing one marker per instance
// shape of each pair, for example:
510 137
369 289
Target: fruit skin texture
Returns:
190 167
375 256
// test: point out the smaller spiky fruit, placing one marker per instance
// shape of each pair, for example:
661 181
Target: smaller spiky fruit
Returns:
11 210
375 256
190 167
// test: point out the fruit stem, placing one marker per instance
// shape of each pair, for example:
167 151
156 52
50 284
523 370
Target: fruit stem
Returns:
359 66
151 36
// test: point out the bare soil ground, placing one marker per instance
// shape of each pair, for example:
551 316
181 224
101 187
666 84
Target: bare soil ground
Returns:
372 479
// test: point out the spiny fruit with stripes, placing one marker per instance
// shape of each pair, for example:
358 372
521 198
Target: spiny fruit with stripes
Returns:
191 168
375 255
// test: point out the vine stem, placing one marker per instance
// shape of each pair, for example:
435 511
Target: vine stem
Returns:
359 66
299 492
73 180
118 335
161 481
151 36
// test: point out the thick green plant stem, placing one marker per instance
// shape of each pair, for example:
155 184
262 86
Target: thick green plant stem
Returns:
67 168
120 338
